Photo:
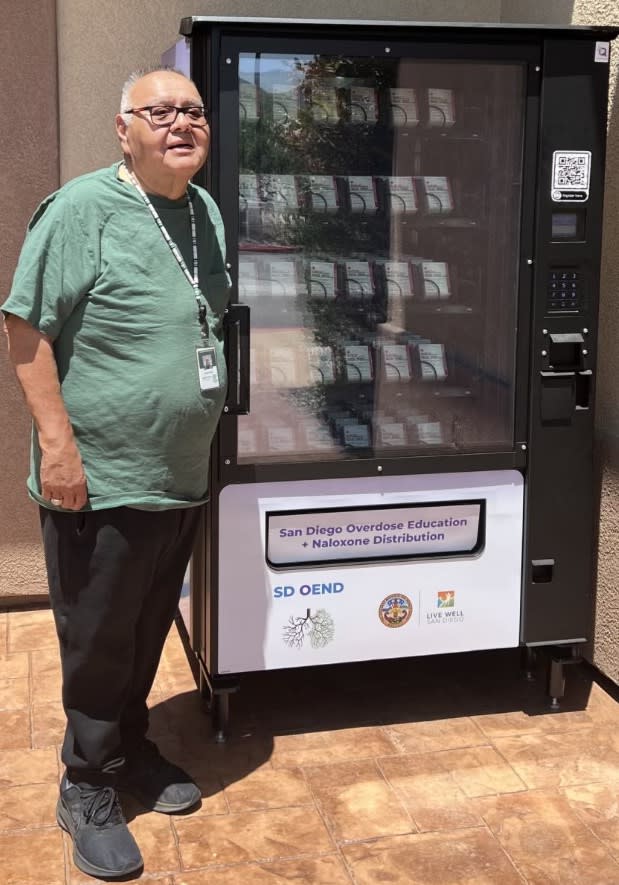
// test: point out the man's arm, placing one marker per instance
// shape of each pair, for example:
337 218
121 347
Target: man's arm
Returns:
32 355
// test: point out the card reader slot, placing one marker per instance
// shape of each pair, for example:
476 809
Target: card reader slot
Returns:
583 389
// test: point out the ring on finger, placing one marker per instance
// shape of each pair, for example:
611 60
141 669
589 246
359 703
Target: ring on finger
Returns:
55 501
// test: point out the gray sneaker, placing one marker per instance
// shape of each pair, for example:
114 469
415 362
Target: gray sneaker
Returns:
102 843
158 784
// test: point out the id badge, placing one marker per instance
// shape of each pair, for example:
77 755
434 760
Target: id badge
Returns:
208 373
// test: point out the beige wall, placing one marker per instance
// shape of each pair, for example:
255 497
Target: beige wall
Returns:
132 35
539 12
29 147
98 44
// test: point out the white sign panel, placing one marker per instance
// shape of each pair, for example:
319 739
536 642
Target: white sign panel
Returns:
377 533
316 613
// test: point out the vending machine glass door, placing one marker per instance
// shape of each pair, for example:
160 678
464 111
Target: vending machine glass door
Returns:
378 244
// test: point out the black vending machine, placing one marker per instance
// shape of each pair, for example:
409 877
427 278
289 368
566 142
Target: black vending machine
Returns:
414 219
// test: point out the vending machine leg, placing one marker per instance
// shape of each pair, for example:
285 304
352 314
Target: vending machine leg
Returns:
221 715
559 657
528 662
216 691
556 682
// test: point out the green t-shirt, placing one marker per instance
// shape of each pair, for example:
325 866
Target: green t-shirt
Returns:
96 275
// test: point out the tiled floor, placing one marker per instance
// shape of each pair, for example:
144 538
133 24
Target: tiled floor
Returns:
432 771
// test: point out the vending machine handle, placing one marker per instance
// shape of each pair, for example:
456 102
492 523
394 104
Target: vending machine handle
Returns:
236 326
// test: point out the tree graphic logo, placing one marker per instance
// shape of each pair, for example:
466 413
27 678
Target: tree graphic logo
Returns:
395 610
318 627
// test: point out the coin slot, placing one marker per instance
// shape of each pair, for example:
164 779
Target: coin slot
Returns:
542 570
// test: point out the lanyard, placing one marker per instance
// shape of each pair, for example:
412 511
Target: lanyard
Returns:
193 280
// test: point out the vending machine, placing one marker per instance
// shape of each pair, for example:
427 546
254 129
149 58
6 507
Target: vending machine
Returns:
404 464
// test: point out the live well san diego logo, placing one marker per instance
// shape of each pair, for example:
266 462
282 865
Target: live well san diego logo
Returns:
445 611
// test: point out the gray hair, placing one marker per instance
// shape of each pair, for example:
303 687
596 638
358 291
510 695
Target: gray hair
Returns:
133 78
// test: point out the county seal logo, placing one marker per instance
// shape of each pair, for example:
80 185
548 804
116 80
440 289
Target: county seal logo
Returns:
395 610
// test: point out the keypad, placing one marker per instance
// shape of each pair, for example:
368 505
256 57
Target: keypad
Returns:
565 290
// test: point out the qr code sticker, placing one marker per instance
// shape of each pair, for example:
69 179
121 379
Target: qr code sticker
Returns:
571 171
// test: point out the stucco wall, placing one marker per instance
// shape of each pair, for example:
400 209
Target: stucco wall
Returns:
29 148
131 35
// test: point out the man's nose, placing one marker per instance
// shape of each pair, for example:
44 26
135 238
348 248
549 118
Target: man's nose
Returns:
181 122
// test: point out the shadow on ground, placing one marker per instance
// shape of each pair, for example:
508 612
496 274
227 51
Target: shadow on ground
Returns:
350 696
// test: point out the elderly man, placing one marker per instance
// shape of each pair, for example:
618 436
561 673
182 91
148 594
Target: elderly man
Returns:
116 307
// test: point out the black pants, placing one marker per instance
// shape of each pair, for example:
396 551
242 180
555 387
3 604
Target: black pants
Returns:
115 578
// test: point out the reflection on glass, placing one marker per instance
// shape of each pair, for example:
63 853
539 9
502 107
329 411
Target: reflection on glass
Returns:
379 210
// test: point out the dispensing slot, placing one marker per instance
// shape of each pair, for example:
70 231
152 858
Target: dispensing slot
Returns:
558 397
565 351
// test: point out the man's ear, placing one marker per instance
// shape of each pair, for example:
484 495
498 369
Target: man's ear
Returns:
121 131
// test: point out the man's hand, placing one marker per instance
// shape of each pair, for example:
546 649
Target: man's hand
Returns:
63 482
62 476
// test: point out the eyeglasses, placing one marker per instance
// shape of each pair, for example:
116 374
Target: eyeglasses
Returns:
165 114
